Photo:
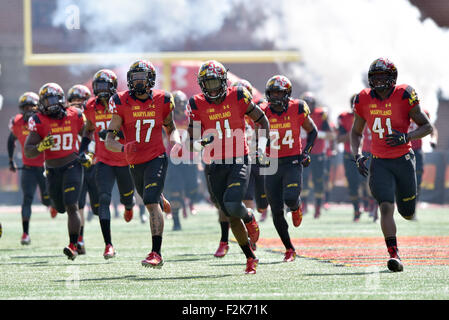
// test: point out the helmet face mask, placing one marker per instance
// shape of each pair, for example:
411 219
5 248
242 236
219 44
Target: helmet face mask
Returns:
382 75
28 104
52 101
104 84
141 77
278 91
212 79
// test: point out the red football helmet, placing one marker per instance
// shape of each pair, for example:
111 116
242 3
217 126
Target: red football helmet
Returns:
141 77
213 80
104 84
52 100
243 83
28 99
278 83
382 74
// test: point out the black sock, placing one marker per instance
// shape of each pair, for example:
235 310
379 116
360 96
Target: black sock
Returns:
247 251
26 226
356 206
224 231
82 231
391 242
73 238
175 214
157 243
106 231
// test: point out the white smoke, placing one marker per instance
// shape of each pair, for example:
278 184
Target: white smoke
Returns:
337 40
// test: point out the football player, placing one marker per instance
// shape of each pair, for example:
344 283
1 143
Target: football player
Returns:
286 116
77 97
387 108
345 121
318 154
255 196
142 112
32 169
54 132
182 176
219 112
111 167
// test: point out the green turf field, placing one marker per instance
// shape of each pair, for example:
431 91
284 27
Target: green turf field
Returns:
338 259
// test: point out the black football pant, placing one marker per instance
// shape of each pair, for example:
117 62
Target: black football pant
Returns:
316 169
89 186
228 184
354 179
419 156
394 180
105 176
149 178
31 178
64 185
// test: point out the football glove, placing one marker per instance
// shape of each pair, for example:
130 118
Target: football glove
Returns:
46 143
85 159
360 163
396 138
304 159
12 166
198 145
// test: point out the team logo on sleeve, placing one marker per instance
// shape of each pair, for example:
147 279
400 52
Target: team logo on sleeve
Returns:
112 108
189 111
31 124
413 98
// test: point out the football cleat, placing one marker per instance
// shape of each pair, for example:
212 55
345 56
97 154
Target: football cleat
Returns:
71 252
128 215
80 247
223 248
251 265
153 260
297 217
109 252
253 229
290 255
53 212
25 240
357 215
394 263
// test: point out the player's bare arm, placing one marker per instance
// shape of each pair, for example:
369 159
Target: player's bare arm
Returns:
423 122
31 144
312 133
113 129
356 134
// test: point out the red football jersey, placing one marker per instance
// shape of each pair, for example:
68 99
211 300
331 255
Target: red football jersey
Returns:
64 131
345 121
19 128
285 128
382 116
143 121
100 117
319 116
226 121
416 144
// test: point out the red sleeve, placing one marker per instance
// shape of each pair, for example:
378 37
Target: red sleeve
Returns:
358 106
35 125
244 99
169 104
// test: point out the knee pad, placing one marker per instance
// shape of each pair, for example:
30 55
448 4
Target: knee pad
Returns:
127 199
292 203
406 208
235 209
